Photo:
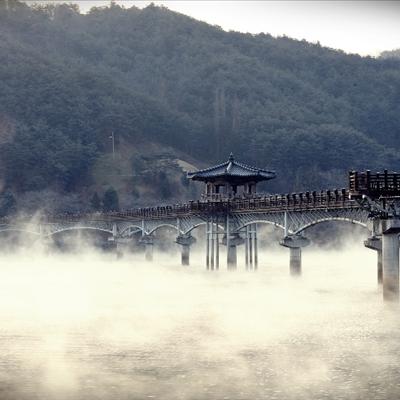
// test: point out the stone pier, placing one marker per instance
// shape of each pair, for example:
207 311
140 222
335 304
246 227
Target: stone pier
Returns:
375 243
390 259
148 242
185 241
231 242
295 243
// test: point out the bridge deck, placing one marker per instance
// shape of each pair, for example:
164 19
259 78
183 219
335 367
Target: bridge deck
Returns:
330 199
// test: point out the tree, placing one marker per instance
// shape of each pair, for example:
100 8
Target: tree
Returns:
110 200
95 202
164 185
7 203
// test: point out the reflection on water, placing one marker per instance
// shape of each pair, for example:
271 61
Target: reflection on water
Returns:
92 327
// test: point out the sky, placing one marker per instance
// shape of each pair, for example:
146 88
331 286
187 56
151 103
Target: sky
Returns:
363 27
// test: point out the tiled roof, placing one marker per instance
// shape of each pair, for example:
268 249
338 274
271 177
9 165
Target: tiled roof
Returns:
232 168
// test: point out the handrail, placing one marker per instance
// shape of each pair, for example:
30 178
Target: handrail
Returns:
329 199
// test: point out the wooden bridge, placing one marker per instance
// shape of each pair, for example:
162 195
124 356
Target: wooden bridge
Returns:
231 211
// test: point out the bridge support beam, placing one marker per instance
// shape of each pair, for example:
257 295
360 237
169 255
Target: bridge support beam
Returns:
295 243
375 243
390 230
390 258
148 242
212 243
185 241
251 247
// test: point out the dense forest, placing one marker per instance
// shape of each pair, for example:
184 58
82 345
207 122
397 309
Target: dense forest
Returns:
172 89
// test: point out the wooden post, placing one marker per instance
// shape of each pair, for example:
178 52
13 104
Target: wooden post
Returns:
212 243
216 244
208 244
255 246
250 238
246 247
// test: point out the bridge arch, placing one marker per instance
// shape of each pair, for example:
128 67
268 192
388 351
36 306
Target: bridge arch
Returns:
195 226
78 228
19 230
329 219
260 221
162 226
127 228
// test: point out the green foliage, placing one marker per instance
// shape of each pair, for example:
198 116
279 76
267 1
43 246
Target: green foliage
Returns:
185 181
110 200
135 192
164 185
152 75
7 204
391 54
95 202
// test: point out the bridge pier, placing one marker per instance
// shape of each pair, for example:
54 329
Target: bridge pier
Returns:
148 242
295 243
185 241
375 243
212 243
251 247
231 241
390 258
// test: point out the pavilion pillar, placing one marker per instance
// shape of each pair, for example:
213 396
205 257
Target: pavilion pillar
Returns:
251 247
246 247
255 247
295 243
379 267
212 243
208 244
185 241
250 239
216 243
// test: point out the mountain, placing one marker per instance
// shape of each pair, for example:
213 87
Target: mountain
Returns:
391 54
176 91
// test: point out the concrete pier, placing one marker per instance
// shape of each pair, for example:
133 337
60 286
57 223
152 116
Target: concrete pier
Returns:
295 260
375 243
148 242
212 243
390 258
231 242
390 230
251 248
295 243
185 241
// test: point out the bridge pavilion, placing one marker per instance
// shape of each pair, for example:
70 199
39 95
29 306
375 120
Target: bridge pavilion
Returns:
230 180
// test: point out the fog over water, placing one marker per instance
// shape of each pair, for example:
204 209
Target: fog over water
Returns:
89 326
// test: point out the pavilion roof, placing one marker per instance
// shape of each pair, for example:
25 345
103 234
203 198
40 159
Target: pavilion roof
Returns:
232 170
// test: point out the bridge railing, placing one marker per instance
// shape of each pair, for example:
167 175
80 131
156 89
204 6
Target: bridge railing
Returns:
338 198
374 185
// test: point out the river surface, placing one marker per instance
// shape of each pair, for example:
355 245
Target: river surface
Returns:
89 326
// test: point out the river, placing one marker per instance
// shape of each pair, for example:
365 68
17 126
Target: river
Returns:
89 326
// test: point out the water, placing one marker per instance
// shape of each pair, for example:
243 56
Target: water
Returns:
88 326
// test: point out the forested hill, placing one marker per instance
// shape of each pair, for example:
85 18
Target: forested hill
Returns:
170 86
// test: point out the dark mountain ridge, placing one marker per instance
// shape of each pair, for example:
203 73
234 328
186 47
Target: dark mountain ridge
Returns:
68 80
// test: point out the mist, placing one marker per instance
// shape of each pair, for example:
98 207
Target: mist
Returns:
85 324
